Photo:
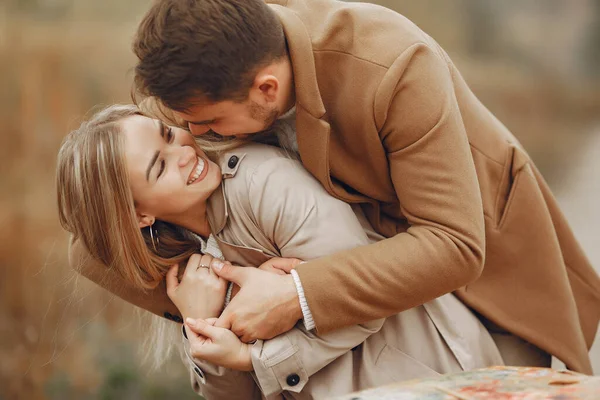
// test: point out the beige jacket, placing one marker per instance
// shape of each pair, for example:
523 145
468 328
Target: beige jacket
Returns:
269 205
385 120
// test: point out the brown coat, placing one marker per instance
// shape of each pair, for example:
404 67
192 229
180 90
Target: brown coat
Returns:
384 119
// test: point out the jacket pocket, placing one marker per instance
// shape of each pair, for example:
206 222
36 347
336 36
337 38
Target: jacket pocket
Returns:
510 183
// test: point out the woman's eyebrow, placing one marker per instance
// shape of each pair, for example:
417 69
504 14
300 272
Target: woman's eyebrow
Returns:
162 128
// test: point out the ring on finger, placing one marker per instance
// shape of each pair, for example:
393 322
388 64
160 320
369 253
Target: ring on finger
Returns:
201 266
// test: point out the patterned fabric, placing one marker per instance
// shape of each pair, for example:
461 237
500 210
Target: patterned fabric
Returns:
514 383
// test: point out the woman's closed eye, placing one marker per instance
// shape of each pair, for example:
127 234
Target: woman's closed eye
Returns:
162 168
169 139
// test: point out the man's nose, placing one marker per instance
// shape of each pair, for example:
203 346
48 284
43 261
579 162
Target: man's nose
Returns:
197 129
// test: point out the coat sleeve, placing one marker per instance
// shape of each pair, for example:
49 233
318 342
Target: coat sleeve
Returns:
211 381
155 301
214 382
433 174
302 220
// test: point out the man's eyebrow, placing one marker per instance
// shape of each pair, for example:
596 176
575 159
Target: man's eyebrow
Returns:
162 128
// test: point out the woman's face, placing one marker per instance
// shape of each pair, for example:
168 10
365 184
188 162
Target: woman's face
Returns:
169 175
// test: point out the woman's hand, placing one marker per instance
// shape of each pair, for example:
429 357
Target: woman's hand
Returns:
201 293
217 345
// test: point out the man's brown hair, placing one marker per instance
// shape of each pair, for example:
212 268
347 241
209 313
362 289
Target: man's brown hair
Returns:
207 49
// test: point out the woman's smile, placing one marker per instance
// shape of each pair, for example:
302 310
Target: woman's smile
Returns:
171 178
199 171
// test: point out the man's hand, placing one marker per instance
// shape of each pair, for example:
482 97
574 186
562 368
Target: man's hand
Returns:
279 265
217 345
201 293
266 305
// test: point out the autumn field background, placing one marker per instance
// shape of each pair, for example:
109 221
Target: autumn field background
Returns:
536 64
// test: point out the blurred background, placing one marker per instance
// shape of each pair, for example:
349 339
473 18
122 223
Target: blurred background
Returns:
535 64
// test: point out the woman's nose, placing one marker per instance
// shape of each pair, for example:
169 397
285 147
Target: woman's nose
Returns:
187 155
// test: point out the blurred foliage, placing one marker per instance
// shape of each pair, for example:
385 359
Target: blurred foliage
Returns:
122 380
533 63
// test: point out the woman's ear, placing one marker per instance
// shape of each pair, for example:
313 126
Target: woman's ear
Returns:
145 220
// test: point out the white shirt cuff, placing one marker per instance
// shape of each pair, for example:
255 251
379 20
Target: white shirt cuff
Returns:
309 323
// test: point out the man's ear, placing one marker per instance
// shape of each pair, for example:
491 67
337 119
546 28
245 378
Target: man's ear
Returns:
145 220
265 88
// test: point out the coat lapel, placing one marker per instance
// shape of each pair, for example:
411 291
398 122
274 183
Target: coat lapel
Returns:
218 212
313 131
312 126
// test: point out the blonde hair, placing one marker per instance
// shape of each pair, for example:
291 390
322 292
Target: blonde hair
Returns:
96 205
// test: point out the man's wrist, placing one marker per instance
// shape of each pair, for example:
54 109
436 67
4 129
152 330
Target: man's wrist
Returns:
294 309
309 323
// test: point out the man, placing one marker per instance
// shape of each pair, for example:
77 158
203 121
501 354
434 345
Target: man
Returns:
382 118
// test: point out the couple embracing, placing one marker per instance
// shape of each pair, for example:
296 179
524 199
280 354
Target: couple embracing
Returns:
400 231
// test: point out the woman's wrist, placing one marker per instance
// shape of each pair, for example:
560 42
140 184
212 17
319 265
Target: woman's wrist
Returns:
212 311
245 358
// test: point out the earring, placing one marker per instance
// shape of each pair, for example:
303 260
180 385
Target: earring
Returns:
151 228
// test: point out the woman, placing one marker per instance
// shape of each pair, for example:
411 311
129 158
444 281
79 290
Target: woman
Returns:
142 196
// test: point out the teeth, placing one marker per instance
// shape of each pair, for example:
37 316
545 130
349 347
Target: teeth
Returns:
197 171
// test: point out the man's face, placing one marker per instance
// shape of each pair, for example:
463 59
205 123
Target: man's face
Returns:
229 118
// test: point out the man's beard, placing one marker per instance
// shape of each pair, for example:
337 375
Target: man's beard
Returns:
263 114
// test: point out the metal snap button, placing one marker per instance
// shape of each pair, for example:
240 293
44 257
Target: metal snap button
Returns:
233 161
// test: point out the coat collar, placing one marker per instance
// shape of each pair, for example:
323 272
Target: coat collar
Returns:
217 210
311 126
308 96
